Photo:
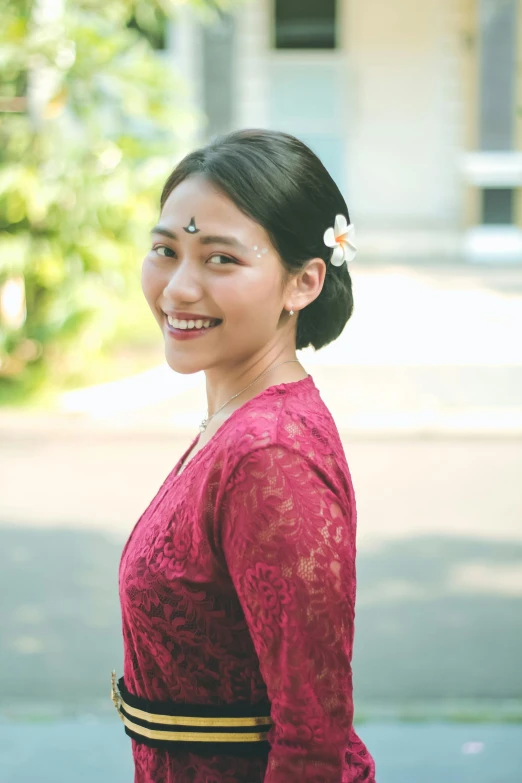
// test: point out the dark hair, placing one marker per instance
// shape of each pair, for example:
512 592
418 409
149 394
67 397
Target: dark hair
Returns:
280 183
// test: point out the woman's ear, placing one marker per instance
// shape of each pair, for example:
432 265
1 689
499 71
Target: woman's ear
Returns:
308 283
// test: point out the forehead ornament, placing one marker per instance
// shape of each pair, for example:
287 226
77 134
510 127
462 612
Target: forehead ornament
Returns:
191 228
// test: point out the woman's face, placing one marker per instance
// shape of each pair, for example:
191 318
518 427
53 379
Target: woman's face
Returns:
209 259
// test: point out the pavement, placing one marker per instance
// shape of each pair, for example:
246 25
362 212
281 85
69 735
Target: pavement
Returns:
430 348
98 750
425 385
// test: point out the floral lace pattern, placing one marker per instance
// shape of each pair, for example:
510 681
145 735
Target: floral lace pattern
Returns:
238 584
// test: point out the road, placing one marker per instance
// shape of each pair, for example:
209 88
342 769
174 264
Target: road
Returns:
439 562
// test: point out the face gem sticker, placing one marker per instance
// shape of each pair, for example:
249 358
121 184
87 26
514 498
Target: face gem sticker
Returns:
191 228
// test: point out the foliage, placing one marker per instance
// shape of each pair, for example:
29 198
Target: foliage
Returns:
92 119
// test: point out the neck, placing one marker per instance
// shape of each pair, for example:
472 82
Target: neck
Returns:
252 382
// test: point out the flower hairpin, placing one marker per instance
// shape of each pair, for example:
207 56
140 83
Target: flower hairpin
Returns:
341 238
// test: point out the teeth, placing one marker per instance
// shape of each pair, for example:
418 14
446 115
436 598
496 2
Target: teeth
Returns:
183 324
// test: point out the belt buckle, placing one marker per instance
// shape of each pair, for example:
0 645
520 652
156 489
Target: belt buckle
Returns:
115 693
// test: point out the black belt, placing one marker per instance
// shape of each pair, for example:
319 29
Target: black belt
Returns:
238 729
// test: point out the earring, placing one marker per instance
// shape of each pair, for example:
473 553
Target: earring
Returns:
291 312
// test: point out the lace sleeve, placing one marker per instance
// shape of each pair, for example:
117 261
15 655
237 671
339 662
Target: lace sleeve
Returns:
289 546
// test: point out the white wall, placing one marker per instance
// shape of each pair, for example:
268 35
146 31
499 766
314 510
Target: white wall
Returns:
403 97
408 117
251 64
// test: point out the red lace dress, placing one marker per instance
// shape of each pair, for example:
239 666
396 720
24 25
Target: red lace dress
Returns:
237 584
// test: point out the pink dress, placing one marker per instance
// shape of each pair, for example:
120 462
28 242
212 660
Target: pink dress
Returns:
237 584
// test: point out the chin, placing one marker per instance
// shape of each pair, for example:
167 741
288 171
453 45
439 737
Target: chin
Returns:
182 367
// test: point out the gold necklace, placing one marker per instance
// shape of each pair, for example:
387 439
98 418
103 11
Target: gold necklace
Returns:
203 425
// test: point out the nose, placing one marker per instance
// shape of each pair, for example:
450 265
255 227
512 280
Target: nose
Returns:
183 284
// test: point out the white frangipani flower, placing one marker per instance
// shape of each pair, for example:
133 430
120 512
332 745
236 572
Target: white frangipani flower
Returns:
341 238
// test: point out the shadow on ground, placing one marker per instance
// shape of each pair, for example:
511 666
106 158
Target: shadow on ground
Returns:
437 618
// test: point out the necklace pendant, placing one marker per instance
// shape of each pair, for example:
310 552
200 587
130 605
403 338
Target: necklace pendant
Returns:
203 425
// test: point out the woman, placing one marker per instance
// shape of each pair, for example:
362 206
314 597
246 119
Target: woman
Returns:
237 584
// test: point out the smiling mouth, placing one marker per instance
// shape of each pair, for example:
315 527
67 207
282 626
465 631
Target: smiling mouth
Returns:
213 323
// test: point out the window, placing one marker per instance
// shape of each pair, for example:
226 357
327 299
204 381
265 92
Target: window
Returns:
218 74
305 24
497 64
498 206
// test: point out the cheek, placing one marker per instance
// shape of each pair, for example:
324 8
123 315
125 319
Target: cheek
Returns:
150 279
244 291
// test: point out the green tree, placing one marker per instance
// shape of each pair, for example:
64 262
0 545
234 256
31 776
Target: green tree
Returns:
92 118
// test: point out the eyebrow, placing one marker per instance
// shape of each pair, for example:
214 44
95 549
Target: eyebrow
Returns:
206 239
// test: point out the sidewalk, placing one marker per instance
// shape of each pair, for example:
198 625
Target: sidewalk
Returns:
403 753
430 350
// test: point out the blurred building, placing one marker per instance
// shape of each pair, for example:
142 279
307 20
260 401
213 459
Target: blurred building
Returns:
415 108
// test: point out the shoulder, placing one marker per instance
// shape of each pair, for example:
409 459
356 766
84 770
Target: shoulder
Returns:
287 427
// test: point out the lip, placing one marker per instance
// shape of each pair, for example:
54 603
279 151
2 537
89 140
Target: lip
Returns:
187 334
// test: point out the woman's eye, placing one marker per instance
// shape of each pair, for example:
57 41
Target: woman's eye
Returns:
167 252
225 258
160 248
